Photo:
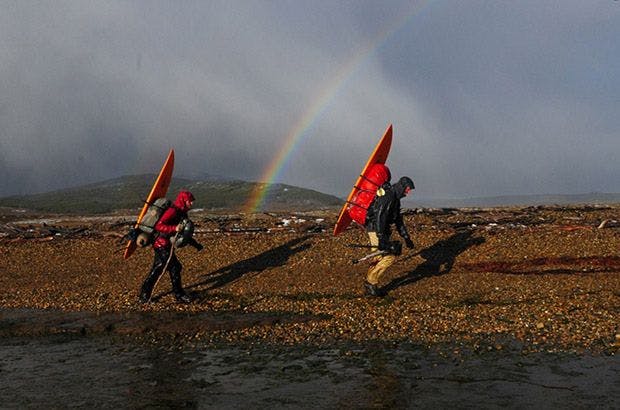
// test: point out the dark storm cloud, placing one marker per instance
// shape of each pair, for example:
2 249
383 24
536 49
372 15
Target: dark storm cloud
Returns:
111 86
486 98
521 95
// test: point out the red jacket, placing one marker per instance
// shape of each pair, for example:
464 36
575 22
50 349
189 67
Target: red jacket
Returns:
166 226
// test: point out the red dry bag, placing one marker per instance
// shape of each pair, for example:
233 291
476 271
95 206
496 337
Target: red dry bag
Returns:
372 180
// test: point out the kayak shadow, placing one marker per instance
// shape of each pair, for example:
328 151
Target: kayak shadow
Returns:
439 259
275 257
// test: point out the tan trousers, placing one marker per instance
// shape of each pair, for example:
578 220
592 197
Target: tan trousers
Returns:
380 263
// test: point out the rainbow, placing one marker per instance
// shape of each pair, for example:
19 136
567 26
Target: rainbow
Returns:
294 137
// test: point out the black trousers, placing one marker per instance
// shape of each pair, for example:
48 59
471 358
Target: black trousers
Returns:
174 269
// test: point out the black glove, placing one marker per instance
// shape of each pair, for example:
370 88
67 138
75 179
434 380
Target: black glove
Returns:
409 243
396 248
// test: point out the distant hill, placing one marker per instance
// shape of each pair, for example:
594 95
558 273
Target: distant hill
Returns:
128 192
517 200
219 193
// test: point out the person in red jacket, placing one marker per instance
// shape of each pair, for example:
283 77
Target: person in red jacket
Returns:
166 227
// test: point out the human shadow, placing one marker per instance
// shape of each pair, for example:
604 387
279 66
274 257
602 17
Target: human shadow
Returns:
439 258
256 264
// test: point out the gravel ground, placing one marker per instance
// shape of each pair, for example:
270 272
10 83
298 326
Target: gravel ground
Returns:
542 278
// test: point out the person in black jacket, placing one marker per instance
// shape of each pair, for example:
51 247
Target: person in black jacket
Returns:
384 211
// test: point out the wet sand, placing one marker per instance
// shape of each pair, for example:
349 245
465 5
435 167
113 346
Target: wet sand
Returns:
100 372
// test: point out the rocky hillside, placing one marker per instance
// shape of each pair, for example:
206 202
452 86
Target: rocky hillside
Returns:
128 193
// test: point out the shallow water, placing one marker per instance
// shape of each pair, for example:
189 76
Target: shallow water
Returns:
102 372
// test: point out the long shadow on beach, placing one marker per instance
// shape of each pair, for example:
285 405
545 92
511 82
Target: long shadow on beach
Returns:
256 264
440 258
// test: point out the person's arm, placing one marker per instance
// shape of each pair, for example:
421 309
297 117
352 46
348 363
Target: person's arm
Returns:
166 224
402 229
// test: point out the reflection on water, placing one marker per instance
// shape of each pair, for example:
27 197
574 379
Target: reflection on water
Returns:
101 373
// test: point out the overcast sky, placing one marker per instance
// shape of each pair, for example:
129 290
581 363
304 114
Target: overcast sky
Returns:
486 97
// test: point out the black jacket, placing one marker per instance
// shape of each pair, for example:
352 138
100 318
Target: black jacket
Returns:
384 210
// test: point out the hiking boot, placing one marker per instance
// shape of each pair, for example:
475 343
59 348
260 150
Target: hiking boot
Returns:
372 290
184 298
